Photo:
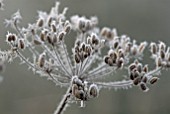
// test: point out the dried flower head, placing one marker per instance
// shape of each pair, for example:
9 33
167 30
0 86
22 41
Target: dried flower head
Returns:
96 53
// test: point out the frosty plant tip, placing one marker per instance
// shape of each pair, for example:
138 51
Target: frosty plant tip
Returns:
96 54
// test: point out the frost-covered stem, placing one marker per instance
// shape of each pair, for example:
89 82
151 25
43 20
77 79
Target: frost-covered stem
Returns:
107 72
116 85
67 58
94 71
54 57
80 68
87 60
33 67
61 62
63 104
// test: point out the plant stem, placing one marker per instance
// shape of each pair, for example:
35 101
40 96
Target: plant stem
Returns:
63 103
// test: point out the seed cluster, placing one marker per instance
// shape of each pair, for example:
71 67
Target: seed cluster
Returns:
81 90
161 54
83 24
139 75
82 51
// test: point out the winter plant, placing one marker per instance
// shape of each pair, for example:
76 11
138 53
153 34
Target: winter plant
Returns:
97 53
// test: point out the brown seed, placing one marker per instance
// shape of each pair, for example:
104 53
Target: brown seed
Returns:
104 31
120 63
131 67
136 81
139 67
55 38
144 79
145 68
106 58
158 62
9 38
49 39
142 47
40 22
83 46
162 54
41 60
153 48
50 21
162 46
53 27
110 62
136 74
93 91
144 87
128 47
153 80
80 94
42 36
81 25
134 50
115 45
109 34
85 55
13 37
61 35
132 76
121 53
67 29
74 89
33 31
77 58
21 44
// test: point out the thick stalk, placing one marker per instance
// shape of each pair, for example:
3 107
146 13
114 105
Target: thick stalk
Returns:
63 104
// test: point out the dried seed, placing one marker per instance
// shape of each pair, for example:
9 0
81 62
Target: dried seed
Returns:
153 48
142 46
144 79
49 39
153 80
40 22
115 45
162 54
106 59
145 68
120 63
158 62
41 60
67 29
61 35
53 27
109 34
144 87
136 81
131 67
21 44
134 50
77 58
139 67
93 91
132 76
110 62
104 31
162 46
81 25
42 36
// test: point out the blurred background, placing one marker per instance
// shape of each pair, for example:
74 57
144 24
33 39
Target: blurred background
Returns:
22 92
